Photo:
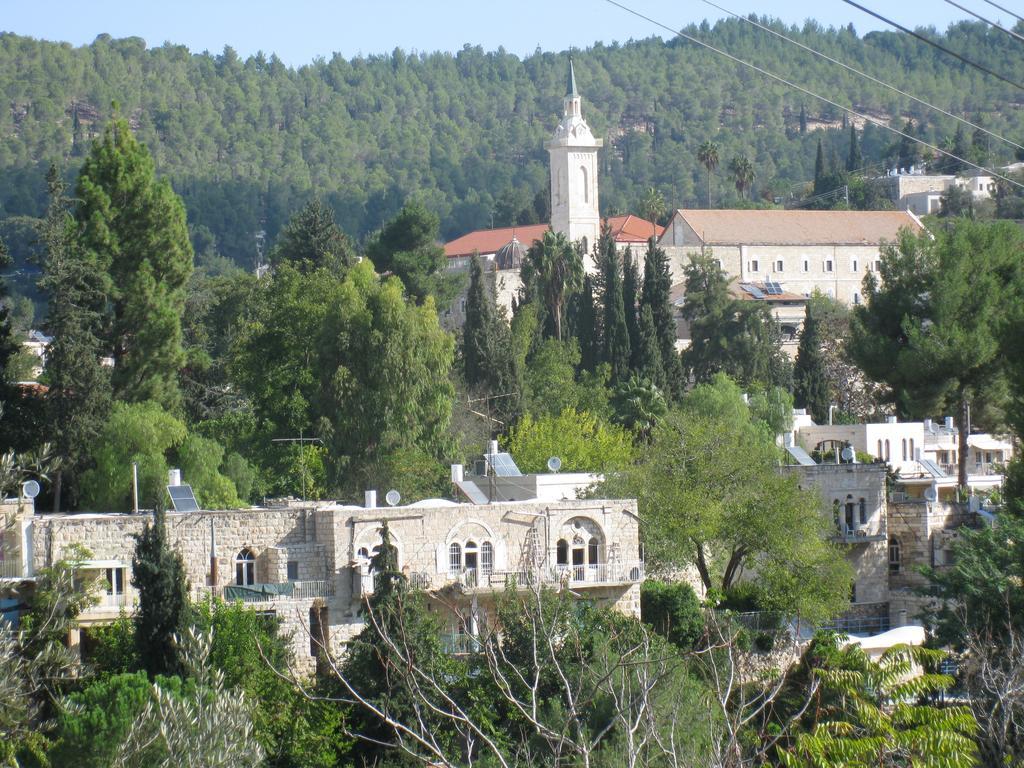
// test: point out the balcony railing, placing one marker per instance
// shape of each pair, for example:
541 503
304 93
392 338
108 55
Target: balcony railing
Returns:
459 643
857 535
12 568
575 575
269 593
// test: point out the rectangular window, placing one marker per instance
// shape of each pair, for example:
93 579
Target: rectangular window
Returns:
853 265
293 570
828 265
115 581
778 265
856 298
807 265
754 265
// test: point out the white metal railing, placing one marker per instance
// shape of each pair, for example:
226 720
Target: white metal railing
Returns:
12 568
460 643
305 590
598 573
301 590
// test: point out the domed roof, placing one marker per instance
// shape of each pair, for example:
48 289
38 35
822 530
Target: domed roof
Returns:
510 255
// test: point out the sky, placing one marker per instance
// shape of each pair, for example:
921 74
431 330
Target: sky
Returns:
300 30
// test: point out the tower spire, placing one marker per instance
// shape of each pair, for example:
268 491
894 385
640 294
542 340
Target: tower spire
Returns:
572 81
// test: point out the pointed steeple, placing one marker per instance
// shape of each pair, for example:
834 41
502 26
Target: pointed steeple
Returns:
572 81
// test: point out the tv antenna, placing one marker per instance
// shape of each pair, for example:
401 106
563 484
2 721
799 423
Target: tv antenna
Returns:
300 440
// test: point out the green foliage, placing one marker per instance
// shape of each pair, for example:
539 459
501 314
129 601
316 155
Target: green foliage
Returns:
810 383
135 432
158 574
882 713
407 247
638 405
710 495
673 611
552 384
615 331
110 648
488 361
312 240
242 474
133 229
655 295
579 439
200 459
553 271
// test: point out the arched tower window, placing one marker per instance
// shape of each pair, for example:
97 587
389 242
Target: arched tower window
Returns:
586 184
245 568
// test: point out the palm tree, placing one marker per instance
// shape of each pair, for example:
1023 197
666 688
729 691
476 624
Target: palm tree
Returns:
742 173
652 206
708 157
555 267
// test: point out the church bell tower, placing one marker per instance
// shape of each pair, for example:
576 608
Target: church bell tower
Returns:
573 150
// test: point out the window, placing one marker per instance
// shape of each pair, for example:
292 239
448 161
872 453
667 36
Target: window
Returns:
754 265
894 556
807 265
245 568
856 298
888 456
115 581
462 306
828 265
293 570
486 557
592 552
853 265
880 454
853 592
878 264
913 456
904 449
849 514
863 511
454 558
586 187
562 552
778 266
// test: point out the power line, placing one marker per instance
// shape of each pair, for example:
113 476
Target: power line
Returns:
1004 10
812 94
862 74
1001 28
932 43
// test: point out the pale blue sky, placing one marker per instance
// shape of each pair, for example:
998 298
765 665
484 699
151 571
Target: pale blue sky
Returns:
300 30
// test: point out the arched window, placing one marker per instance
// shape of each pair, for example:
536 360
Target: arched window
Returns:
562 552
454 558
913 456
592 552
245 568
585 244
849 514
363 553
586 185
486 557
887 454
863 511
904 449
880 454
895 560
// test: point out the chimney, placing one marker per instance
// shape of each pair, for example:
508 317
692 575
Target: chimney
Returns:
369 499
492 447
927 425
174 477
891 420
949 422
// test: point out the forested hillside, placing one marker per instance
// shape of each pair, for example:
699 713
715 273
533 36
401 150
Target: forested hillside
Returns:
247 142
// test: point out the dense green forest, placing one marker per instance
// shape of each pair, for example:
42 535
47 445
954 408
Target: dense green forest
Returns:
247 142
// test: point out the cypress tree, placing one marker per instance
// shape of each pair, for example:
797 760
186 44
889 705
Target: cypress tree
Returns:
810 383
8 344
819 170
616 335
803 120
134 231
630 294
486 342
648 358
656 294
159 576
586 327
79 397
855 159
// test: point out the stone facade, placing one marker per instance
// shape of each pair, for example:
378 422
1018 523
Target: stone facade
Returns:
315 560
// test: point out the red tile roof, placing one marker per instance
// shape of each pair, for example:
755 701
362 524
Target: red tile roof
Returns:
625 229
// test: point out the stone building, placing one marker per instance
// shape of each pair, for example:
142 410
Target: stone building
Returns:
310 564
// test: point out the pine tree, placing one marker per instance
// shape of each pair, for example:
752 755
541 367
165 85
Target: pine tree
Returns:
134 230
855 158
810 382
162 615
656 295
79 397
630 294
312 240
615 351
961 148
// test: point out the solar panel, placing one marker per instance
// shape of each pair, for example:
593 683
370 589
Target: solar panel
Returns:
772 288
182 498
753 290
800 455
504 466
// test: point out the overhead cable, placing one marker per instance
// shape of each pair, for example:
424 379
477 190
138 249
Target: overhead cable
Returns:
856 71
1005 10
932 43
812 94
1001 28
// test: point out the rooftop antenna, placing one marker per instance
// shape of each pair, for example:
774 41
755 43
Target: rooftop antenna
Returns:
300 440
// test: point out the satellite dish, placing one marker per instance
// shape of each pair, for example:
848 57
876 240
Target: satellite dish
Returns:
848 454
30 489
392 497
554 464
930 493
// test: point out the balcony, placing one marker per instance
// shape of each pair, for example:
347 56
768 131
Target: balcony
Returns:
12 569
857 535
269 593
460 643
575 576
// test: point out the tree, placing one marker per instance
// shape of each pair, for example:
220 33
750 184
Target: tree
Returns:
133 229
855 158
78 398
707 155
820 170
554 269
803 120
638 405
652 207
672 609
630 295
810 385
587 327
312 240
616 350
876 713
908 150
931 322
407 247
648 352
9 346
582 441
711 496
742 174
656 294
486 344
161 619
